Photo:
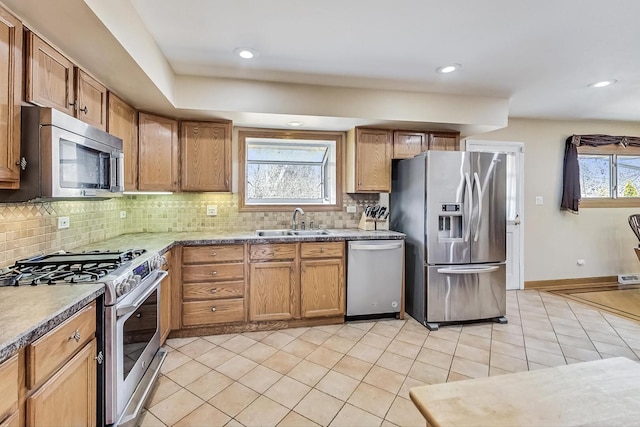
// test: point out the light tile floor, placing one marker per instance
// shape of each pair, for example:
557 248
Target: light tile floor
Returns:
359 374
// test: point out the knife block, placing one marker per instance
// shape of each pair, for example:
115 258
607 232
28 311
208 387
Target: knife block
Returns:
366 223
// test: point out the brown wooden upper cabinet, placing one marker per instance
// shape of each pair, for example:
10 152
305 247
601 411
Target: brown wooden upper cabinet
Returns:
54 81
368 160
123 122
408 144
10 99
91 101
206 156
444 141
158 167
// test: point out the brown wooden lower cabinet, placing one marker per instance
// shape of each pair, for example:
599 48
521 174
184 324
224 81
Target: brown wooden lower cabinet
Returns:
322 288
272 290
69 397
9 386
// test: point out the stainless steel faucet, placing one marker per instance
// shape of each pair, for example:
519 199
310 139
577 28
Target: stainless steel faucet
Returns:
294 221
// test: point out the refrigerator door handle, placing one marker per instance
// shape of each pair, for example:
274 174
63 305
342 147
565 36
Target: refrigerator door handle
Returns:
469 189
476 179
467 270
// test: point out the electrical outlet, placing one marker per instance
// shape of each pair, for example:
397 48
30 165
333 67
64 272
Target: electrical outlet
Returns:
539 200
63 222
123 214
351 209
212 210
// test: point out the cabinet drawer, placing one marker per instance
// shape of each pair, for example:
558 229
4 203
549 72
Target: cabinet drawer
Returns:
272 251
209 254
52 350
322 250
8 387
212 272
198 313
208 291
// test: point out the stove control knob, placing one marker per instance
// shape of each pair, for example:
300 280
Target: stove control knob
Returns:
122 288
157 262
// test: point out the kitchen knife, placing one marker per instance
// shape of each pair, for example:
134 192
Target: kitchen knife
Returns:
381 212
367 210
374 211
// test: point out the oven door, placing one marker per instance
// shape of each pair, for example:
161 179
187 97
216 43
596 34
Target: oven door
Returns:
81 167
132 342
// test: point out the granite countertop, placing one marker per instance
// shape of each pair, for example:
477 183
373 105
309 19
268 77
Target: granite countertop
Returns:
28 312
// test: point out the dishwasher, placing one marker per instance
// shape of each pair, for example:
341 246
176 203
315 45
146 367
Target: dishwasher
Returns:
374 278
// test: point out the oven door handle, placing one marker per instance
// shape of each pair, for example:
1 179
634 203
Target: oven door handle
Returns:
130 308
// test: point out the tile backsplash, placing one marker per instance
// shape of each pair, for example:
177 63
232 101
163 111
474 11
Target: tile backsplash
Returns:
27 229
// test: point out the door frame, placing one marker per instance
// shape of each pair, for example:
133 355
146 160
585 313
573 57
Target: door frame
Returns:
511 147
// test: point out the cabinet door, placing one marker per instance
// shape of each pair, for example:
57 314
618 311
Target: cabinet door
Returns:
206 156
273 291
165 307
10 97
322 288
122 122
444 141
69 397
158 148
407 144
373 160
92 100
50 76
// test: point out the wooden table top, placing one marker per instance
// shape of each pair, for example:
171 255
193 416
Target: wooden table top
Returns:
603 392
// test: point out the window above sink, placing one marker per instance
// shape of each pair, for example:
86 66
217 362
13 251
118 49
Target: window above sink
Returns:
283 169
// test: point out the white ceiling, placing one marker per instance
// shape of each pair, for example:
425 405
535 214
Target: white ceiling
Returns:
541 54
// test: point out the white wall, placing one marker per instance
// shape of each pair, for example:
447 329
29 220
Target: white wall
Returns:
555 239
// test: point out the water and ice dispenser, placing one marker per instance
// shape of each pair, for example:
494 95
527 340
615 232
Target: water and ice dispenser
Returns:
450 221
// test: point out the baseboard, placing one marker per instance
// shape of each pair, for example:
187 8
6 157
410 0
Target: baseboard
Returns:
557 284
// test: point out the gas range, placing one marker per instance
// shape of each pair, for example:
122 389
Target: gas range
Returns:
116 269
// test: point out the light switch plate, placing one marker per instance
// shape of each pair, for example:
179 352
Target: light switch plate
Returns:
212 210
351 209
63 222
539 200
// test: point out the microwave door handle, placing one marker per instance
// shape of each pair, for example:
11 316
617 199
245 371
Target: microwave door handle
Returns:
476 179
469 191
117 172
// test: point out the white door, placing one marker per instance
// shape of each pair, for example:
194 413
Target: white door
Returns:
515 207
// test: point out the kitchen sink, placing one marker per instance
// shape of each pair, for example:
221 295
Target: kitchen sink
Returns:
283 233
273 233
308 232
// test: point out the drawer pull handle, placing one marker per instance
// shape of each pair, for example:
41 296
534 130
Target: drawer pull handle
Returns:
213 273
321 250
213 309
213 254
75 336
214 290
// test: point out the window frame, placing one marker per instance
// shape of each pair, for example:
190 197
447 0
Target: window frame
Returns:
613 201
337 137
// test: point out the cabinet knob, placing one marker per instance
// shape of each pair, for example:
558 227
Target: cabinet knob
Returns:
214 290
213 309
85 110
321 250
213 273
75 336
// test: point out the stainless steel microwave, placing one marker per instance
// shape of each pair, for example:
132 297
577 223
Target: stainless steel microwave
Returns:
65 158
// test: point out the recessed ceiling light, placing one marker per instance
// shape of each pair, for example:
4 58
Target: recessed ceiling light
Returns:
245 53
603 83
295 124
445 69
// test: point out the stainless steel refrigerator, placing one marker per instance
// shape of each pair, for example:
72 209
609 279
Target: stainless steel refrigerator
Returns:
452 207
